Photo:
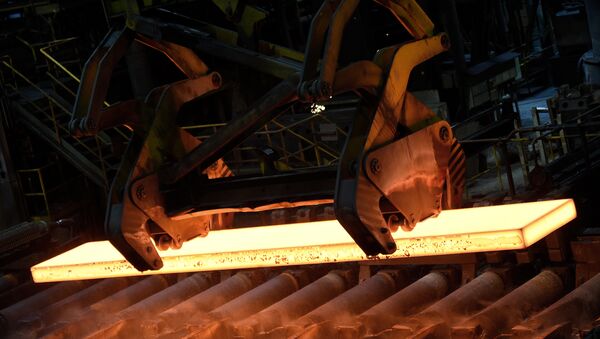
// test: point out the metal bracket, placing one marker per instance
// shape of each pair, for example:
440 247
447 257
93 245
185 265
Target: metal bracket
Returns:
358 202
157 141
411 173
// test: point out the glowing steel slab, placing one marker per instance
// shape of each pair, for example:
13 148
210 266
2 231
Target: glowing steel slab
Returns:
490 228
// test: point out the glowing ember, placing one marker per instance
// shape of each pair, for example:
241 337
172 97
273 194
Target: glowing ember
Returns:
491 228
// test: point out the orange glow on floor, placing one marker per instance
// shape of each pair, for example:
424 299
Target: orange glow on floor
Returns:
480 229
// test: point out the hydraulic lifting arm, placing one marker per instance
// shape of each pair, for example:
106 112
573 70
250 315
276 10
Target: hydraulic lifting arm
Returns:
400 165
387 177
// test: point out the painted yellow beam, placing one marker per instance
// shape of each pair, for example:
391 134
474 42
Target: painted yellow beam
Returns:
480 229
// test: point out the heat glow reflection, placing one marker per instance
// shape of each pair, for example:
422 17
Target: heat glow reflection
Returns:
480 229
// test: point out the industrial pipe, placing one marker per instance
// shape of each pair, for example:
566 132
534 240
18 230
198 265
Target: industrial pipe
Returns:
407 301
262 296
468 299
212 324
72 305
327 320
295 305
132 294
528 298
204 302
355 301
170 296
128 320
566 310
21 292
10 315
93 317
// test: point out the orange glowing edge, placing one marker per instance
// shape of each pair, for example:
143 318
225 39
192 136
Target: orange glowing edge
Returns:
479 229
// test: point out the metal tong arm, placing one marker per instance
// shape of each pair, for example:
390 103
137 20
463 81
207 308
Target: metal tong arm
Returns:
334 15
88 116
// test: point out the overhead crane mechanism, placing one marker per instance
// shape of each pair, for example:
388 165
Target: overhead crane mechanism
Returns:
401 167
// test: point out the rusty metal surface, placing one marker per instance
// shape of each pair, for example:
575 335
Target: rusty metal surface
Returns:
427 151
357 198
528 298
311 302
11 314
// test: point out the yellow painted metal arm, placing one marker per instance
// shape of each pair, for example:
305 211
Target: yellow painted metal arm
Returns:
411 15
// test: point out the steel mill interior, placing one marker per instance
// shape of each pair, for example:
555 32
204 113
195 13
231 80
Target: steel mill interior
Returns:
299 169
